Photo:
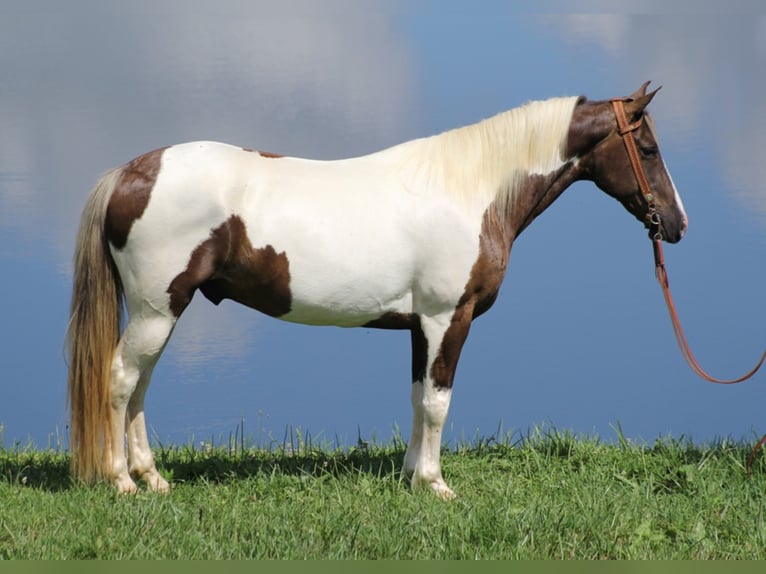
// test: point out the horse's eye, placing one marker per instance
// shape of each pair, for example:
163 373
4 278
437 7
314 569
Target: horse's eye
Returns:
649 152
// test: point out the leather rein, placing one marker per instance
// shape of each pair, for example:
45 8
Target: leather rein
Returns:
625 130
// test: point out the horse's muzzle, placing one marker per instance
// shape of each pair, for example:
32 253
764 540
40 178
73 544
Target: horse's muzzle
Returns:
672 230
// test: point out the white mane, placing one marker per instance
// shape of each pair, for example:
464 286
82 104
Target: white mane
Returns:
480 163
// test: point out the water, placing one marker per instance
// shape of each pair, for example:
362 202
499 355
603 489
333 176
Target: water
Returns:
578 339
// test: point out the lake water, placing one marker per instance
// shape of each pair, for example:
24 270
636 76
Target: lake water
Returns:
579 338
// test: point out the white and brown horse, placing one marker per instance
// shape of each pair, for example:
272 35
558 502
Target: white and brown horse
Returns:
413 237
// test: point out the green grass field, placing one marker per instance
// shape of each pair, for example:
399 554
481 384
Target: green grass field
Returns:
548 495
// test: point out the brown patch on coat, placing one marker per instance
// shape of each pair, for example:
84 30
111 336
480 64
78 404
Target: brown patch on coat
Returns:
480 293
270 155
227 266
498 231
393 320
445 364
131 196
266 154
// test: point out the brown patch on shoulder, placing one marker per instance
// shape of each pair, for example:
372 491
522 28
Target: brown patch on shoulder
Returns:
131 196
489 269
227 266
498 231
480 293
265 154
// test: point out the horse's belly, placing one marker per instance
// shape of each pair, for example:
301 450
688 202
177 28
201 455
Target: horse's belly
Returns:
333 294
349 275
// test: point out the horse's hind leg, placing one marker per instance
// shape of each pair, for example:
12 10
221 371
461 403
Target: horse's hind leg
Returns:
140 459
139 349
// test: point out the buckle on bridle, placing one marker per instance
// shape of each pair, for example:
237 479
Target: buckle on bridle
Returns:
655 223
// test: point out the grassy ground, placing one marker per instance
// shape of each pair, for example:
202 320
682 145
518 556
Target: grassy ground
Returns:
546 496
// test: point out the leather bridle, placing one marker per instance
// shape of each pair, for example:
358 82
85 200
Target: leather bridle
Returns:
625 129
653 218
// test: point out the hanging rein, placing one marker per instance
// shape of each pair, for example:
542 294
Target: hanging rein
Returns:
654 220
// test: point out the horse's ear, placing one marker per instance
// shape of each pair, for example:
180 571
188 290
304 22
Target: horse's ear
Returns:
636 105
640 91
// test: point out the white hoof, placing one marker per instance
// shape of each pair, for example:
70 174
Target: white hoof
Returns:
437 486
125 485
442 490
155 482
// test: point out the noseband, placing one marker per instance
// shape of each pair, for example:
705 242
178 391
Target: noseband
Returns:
625 129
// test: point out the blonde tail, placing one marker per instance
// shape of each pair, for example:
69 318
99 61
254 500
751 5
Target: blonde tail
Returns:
92 336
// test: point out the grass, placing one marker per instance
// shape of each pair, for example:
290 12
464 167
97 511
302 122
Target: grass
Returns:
546 495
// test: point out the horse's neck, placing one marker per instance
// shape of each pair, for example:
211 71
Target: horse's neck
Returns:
487 162
503 221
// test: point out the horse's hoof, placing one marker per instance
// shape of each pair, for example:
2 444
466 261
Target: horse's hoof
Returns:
125 486
155 482
442 490
159 485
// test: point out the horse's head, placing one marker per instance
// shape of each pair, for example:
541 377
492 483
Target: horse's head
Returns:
596 139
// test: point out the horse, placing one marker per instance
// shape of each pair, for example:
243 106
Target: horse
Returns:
415 237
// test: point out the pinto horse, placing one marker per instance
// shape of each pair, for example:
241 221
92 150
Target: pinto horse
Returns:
414 237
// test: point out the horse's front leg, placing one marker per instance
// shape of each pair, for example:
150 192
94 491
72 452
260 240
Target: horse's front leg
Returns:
430 406
436 345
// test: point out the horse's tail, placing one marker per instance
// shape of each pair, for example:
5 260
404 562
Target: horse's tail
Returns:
92 336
